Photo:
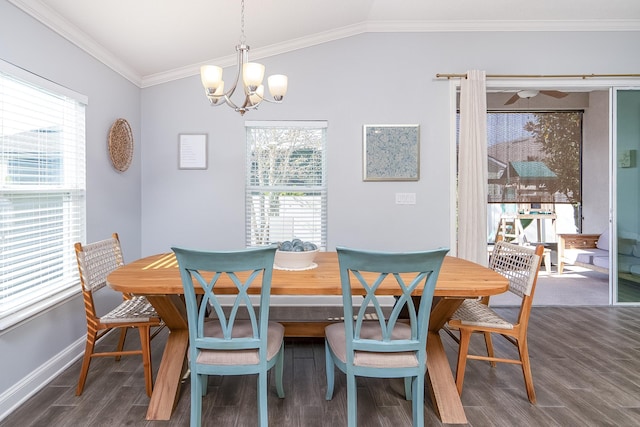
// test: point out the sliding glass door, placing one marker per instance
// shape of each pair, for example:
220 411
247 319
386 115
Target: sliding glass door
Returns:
626 165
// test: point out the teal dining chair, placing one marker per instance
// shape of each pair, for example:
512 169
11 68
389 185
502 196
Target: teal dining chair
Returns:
236 339
375 341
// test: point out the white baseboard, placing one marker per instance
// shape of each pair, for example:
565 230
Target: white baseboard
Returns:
20 392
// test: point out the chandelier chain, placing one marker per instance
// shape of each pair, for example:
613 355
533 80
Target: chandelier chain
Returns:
242 36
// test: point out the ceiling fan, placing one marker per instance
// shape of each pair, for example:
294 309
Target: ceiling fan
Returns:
531 93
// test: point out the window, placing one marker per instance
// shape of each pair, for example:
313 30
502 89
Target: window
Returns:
534 157
286 193
534 166
42 192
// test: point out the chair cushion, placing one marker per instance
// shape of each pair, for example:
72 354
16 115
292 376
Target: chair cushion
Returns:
603 241
241 328
635 270
584 256
336 337
603 262
137 309
625 263
626 246
474 313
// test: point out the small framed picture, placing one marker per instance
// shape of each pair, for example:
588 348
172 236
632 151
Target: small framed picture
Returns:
391 153
626 158
192 151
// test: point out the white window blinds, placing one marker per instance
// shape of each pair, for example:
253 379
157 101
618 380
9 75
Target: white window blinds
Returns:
286 193
42 192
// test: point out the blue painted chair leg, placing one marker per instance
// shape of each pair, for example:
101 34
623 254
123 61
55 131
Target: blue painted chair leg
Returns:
330 369
196 401
352 401
204 379
263 415
407 387
418 401
279 370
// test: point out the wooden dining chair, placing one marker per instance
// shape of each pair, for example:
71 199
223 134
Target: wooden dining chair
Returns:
95 262
386 347
519 264
238 340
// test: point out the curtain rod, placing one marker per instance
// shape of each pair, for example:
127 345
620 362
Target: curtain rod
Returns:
537 76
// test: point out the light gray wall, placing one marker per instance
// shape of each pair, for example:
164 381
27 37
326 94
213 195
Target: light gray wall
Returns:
326 82
33 350
368 79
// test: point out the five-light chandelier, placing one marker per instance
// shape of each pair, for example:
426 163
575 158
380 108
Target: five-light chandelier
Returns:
250 74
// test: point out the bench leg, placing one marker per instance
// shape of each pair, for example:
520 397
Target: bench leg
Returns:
547 261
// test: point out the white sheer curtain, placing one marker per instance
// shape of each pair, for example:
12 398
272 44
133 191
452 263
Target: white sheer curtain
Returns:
472 169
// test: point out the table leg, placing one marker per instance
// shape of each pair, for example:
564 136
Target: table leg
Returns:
442 385
444 394
167 387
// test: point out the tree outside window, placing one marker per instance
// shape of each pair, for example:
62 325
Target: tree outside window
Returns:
534 164
286 194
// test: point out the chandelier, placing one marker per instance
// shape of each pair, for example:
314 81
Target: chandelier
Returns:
249 74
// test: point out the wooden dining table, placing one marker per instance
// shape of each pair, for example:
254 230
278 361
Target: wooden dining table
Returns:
157 277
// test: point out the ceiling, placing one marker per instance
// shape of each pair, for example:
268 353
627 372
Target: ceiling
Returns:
152 41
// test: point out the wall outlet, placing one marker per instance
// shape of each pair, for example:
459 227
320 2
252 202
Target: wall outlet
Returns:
405 198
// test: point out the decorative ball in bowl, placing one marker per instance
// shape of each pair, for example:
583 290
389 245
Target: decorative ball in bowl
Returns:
295 254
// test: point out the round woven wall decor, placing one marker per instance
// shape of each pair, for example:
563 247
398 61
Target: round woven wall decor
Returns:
121 144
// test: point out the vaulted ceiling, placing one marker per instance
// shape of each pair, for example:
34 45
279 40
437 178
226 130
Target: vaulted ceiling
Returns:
150 41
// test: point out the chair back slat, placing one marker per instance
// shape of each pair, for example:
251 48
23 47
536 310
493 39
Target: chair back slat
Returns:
245 269
518 264
409 272
97 260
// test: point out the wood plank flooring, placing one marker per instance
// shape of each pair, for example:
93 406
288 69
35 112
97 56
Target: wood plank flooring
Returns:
585 360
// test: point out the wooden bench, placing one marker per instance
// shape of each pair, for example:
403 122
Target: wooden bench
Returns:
577 241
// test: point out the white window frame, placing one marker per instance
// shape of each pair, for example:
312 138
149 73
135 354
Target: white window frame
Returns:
318 218
39 270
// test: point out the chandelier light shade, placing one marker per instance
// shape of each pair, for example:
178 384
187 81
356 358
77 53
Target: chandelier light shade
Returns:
249 74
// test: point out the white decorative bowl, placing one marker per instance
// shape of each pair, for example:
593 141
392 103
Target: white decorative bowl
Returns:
295 260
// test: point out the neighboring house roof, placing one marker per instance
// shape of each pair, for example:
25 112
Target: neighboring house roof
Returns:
522 149
533 170
496 169
525 173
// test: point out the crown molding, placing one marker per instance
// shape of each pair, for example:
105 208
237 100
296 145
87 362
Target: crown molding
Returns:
53 20
73 34
497 26
398 26
258 53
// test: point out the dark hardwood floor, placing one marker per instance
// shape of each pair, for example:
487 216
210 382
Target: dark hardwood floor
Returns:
586 371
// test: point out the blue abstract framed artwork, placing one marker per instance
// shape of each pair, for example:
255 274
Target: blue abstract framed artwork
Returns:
391 153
